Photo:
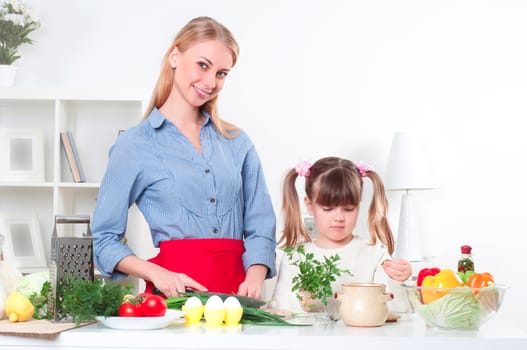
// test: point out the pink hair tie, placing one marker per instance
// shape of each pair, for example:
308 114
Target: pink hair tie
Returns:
363 168
302 168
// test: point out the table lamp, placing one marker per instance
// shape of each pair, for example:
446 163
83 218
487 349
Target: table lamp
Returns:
407 170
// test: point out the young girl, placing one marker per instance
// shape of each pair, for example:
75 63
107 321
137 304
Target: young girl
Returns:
333 188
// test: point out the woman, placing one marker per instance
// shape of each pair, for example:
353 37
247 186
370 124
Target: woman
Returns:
197 180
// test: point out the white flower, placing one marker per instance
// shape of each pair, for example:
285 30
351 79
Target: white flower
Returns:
31 15
17 5
17 21
15 18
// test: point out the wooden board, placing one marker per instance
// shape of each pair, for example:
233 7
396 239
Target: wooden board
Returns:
36 328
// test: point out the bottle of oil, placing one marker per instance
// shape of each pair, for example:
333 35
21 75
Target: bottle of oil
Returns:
465 263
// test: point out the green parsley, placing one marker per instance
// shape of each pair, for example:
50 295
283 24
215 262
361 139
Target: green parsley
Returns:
314 276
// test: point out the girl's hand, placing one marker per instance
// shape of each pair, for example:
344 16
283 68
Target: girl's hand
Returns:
397 269
308 303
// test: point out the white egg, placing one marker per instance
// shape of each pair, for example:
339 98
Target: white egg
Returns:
214 303
231 303
193 302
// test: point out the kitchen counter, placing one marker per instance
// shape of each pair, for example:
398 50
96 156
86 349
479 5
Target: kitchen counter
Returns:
409 332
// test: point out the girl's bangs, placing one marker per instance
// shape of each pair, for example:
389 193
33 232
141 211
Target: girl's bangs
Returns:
337 188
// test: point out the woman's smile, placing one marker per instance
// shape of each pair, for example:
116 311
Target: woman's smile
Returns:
203 94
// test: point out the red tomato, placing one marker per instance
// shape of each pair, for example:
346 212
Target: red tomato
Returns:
129 310
152 305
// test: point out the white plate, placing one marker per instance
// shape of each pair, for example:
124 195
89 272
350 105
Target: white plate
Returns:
141 322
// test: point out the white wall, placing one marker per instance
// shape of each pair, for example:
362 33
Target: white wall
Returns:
331 77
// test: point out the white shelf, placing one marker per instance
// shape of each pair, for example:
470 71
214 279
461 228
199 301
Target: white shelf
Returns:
78 185
52 94
84 113
26 184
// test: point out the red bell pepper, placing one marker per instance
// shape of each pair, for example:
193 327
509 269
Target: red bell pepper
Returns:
432 271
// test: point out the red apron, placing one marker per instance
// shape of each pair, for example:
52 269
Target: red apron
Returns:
216 263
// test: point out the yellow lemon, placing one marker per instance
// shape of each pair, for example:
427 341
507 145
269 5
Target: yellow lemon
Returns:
18 307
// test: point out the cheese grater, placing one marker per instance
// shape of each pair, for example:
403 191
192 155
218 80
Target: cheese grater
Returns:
70 256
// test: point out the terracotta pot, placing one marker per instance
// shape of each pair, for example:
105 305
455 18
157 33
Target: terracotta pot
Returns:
363 304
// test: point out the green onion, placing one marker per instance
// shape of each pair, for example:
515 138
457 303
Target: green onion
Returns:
251 315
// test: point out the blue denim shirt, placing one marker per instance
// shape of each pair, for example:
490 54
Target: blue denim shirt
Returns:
220 193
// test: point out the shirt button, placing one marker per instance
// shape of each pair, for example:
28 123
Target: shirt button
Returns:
215 230
212 200
207 171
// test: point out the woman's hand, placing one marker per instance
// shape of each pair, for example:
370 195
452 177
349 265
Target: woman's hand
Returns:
253 284
167 282
172 283
397 269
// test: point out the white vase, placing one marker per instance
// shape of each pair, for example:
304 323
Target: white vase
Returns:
7 75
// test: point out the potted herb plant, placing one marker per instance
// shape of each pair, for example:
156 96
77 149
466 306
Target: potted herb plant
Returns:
17 21
314 277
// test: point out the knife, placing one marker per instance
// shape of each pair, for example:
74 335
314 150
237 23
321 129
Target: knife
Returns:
244 301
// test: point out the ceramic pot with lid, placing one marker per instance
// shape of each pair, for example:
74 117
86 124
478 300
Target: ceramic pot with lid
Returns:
363 304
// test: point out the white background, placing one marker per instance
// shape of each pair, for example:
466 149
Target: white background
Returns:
319 78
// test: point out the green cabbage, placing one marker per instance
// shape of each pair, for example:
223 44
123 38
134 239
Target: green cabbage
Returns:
454 311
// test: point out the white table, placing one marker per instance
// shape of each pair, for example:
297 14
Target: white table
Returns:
408 333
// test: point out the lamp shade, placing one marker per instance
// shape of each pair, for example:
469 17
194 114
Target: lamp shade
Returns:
408 168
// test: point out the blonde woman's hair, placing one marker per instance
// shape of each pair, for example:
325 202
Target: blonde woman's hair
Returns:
197 30
334 181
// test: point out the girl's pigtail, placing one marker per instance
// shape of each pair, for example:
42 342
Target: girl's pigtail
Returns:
378 213
294 230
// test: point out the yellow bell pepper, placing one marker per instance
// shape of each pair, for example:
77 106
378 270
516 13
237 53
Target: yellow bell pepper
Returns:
18 308
443 279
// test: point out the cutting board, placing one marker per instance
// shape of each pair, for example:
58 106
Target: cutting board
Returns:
36 328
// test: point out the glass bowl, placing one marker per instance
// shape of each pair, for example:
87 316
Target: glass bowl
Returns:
456 308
